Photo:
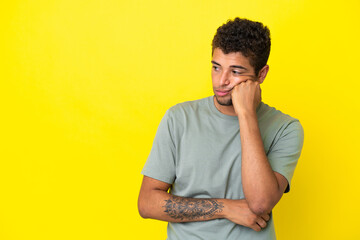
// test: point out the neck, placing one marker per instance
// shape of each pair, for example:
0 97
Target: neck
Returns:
227 110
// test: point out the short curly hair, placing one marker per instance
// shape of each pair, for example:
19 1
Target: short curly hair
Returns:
250 38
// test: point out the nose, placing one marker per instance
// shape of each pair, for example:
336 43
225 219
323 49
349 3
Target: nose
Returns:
224 78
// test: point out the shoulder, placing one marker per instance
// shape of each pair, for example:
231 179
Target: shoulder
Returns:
276 121
180 116
271 114
188 107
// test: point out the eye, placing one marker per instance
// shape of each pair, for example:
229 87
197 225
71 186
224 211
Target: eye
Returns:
216 68
236 72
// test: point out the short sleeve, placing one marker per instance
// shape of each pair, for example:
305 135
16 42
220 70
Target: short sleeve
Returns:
284 154
160 163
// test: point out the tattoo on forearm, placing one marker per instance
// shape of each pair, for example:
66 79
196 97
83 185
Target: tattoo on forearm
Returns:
191 208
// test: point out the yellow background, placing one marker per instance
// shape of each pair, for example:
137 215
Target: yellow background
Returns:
84 85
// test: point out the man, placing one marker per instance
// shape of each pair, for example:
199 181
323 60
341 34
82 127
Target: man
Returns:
227 159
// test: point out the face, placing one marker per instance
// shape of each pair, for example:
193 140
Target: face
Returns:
227 71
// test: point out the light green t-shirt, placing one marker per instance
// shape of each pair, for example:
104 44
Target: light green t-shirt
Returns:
197 149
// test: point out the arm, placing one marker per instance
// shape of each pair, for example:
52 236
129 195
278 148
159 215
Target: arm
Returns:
263 187
155 202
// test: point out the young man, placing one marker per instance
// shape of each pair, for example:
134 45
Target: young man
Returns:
227 159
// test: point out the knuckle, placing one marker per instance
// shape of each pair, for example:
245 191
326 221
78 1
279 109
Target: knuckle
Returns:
261 223
251 221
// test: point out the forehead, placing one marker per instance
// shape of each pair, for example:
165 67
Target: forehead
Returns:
229 59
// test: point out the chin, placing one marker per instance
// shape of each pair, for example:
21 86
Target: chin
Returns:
224 101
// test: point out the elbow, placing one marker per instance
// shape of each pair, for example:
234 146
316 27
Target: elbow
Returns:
142 213
142 209
261 207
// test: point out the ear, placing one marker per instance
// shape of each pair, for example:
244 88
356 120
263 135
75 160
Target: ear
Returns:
262 73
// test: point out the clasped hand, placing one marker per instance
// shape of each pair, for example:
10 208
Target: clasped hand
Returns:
246 96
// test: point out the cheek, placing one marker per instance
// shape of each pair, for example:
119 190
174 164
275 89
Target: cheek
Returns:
214 77
236 80
239 79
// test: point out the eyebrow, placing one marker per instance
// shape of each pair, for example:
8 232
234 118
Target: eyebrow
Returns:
232 66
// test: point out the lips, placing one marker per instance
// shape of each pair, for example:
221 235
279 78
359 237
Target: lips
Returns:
222 93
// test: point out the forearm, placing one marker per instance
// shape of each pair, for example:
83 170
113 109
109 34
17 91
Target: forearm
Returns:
164 206
155 202
258 179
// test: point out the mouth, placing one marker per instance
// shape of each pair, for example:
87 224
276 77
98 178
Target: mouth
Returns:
222 93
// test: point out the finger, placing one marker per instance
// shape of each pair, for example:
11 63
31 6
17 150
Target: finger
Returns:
251 77
266 217
249 80
261 222
256 227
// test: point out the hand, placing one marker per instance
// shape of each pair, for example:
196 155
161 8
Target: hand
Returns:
246 96
238 212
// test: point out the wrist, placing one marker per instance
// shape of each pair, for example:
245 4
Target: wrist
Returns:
227 208
233 208
247 111
246 114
